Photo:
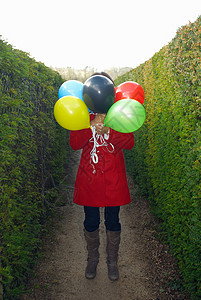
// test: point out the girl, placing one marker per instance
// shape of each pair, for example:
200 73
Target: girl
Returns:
101 182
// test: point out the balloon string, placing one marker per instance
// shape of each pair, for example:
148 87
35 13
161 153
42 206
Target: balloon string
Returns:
95 138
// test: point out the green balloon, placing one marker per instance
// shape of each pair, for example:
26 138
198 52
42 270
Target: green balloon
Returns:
125 116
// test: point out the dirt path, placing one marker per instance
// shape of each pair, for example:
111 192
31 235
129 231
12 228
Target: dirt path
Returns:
147 271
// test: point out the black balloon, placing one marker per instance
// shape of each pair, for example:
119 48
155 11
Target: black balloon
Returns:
98 93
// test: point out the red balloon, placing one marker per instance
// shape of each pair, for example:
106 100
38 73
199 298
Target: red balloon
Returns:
130 90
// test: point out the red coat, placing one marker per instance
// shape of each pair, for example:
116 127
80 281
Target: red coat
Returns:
105 183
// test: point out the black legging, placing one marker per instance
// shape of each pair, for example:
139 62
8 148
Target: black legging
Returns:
92 218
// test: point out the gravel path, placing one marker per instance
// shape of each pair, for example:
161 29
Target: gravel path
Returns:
147 270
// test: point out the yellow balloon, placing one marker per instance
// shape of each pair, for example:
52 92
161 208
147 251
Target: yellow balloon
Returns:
72 113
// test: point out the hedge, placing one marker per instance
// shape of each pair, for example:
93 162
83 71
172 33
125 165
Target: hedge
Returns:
166 159
33 152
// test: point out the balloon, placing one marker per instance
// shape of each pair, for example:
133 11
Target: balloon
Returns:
125 116
71 88
130 90
71 113
98 93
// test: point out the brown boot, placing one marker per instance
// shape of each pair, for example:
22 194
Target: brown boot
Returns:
93 242
113 241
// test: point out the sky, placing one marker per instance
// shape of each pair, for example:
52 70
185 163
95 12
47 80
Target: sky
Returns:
100 34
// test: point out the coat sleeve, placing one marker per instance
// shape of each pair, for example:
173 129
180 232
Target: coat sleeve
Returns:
121 140
79 138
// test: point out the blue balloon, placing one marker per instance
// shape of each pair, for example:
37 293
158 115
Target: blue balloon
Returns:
71 88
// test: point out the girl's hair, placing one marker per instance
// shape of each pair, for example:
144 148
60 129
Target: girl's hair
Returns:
103 74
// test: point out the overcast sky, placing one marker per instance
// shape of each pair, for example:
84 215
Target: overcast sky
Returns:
100 34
